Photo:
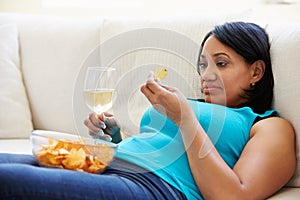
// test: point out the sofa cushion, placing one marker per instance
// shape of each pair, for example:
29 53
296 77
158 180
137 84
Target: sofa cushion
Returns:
18 146
15 117
286 193
285 40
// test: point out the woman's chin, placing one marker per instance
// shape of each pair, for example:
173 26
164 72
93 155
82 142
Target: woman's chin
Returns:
215 99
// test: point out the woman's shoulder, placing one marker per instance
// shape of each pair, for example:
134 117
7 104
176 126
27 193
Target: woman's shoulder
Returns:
274 126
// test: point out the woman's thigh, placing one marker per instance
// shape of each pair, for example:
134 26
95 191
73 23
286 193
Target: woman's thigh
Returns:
21 179
31 182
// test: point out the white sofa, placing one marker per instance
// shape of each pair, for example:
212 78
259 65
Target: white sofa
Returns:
42 60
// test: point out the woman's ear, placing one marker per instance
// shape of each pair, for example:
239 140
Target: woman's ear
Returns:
258 70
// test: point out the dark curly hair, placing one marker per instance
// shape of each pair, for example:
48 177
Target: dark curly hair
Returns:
252 43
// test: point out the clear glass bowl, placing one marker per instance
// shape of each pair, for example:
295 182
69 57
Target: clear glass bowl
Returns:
69 151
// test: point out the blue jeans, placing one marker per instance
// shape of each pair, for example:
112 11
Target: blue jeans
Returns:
22 178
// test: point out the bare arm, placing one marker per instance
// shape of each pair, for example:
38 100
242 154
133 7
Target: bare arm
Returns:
266 164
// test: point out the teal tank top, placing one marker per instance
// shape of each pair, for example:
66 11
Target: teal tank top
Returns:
159 147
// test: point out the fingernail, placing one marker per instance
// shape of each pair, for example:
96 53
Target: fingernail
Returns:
103 126
100 133
108 138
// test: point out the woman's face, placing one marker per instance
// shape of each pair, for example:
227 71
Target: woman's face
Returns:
224 74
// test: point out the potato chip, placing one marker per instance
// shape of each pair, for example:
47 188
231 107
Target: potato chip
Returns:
75 160
63 151
75 156
160 73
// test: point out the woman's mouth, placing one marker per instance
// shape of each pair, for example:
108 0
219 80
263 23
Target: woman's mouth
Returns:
210 89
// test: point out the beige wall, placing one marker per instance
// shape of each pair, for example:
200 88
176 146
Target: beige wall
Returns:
259 8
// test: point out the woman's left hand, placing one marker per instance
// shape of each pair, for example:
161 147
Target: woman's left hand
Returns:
166 100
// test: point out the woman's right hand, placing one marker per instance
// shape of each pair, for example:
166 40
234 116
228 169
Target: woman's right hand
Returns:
103 126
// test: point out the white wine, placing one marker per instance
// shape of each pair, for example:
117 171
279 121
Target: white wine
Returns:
99 100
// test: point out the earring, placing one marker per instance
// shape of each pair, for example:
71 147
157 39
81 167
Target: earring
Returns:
252 84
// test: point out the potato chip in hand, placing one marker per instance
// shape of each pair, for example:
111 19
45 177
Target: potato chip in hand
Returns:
160 73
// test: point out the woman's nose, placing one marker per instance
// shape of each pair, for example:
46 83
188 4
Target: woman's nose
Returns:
209 73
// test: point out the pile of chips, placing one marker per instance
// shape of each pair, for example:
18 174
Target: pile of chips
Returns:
75 155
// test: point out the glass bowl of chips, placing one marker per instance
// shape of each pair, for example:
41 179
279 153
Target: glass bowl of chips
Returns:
70 151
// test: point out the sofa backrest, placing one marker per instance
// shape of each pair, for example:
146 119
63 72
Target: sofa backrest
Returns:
285 53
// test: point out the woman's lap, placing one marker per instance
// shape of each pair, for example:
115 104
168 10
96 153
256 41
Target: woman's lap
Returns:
21 177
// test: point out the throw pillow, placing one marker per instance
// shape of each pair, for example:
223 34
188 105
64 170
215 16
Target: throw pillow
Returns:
15 117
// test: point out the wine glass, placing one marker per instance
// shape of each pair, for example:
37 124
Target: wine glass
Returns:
99 88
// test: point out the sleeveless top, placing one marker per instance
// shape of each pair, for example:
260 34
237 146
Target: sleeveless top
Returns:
159 147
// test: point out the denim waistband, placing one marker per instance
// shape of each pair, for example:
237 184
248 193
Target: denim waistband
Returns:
139 174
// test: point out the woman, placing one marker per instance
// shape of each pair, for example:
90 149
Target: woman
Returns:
227 147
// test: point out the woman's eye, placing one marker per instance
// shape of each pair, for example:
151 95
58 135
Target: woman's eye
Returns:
221 64
201 67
